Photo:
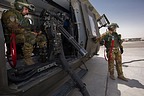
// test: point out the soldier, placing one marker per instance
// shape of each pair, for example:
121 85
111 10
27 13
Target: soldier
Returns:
14 21
114 49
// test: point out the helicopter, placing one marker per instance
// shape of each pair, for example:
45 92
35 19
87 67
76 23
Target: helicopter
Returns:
68 48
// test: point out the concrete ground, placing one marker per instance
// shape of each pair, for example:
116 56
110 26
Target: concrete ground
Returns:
98 81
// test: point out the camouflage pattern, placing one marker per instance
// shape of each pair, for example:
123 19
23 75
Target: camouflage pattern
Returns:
107 37
14 21
116 54
113 26
19 4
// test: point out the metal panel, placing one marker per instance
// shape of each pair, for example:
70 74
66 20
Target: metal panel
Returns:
91 29
80 23
3 71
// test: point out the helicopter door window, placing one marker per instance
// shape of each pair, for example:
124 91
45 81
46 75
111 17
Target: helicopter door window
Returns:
103 21
92 24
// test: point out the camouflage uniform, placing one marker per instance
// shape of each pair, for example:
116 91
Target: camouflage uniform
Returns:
14 21
115 54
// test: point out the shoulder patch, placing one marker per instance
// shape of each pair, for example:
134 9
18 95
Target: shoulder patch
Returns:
12 18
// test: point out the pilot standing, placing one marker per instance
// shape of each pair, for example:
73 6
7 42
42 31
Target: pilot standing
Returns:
113 43
14 21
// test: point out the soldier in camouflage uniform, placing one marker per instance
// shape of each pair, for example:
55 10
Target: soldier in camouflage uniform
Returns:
113 52
14 21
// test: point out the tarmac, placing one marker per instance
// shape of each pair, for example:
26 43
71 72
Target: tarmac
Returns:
98 82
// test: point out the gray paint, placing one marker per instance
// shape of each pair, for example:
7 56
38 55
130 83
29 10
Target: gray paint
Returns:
3 71
80 23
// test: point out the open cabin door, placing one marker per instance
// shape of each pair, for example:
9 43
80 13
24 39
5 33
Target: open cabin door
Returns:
86 25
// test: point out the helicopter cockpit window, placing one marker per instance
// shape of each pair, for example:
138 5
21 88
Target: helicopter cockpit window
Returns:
93 29
103 21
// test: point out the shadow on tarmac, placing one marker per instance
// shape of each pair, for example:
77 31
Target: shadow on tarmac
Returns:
112 88
132 83
99 83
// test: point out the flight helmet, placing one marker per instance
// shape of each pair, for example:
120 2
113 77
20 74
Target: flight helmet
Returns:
19 4
113 26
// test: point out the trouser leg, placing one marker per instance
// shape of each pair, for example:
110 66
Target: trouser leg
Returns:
30 39
111 63
119 66
111 66
27 52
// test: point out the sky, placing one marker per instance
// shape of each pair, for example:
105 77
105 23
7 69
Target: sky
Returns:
128 14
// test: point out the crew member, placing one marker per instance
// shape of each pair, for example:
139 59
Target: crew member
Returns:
113 43
14 21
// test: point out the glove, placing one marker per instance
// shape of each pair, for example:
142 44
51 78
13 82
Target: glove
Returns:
102 42
121 50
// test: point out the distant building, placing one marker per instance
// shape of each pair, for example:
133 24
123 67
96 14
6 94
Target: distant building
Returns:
142 39
133 39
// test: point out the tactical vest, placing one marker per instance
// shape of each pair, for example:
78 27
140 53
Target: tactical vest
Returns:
108 39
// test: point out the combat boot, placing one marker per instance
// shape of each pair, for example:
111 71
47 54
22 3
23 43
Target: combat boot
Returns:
29 61
122 78
112 77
